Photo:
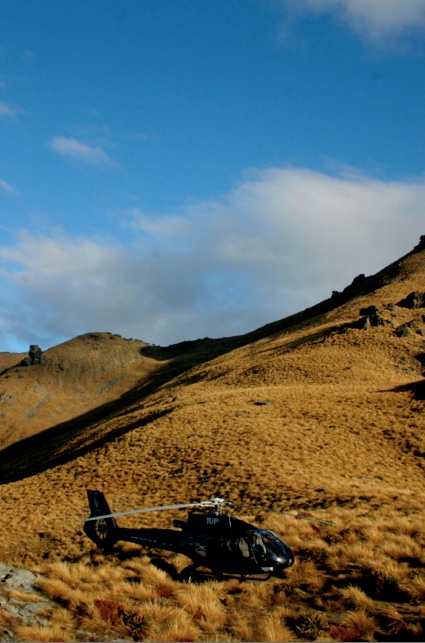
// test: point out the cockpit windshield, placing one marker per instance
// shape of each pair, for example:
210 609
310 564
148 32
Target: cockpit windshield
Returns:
267 549
265 544
272 542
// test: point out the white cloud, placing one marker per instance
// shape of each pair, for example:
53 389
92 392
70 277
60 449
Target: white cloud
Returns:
5 110
6 187
280 241
81 152
9 111
375 20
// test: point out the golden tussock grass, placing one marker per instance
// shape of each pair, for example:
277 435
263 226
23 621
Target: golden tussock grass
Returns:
49 633
417 589
203 605
357 598
171 624
243 626
306 575
60 592
6 620
361 622
273 628
23 596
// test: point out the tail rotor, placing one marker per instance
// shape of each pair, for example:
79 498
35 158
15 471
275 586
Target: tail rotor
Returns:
100 529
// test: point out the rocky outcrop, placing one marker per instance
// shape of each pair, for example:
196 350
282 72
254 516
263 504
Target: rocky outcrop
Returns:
371 317
421 244
13 580
35 356
414 300
411 327
349 291
374 315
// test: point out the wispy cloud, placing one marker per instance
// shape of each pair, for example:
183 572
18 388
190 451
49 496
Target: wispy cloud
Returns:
81 152
374 20
6 187
9 111
280 241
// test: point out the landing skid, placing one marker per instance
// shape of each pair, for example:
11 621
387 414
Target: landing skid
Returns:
192 574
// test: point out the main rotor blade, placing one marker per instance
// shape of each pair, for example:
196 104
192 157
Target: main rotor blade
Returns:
322 522
206 503
289 513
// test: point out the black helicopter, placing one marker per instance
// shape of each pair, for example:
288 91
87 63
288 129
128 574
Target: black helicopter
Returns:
219 542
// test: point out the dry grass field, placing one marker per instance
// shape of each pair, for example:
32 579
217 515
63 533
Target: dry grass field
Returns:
318 414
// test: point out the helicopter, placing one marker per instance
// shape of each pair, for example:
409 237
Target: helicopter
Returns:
217 541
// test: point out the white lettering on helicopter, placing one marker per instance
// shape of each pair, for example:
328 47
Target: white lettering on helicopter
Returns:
200 549
211 520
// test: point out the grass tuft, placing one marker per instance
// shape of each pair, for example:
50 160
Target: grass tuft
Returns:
42 633
362 622
308 625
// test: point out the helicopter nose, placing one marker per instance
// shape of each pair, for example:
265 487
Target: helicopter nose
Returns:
289 557
284 561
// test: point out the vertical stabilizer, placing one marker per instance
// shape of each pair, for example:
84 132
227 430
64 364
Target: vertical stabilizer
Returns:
103 531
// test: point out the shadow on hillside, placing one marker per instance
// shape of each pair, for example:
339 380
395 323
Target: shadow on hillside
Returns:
49 448
416 388
68 440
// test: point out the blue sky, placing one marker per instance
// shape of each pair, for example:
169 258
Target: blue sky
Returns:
175 169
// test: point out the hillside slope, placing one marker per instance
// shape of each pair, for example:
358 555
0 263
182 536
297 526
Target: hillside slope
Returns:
322 412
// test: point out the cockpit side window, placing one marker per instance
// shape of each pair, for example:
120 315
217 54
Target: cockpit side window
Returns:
256 545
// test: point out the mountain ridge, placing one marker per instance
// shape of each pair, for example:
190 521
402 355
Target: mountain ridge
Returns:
129 361
117 372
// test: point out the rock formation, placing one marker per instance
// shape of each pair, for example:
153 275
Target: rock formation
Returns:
35 356
421 244
414 300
